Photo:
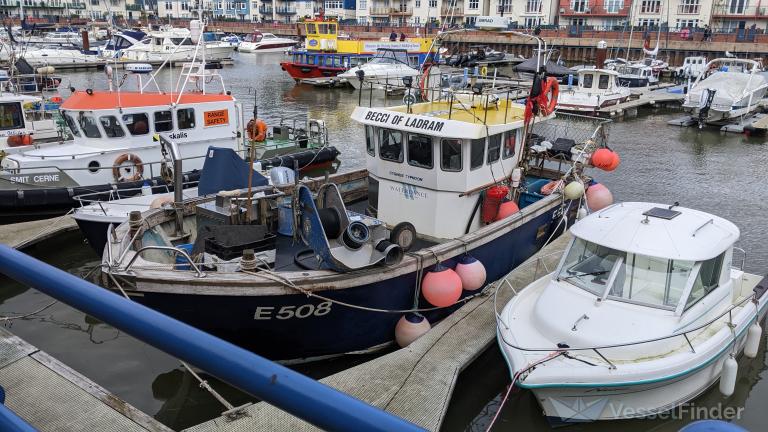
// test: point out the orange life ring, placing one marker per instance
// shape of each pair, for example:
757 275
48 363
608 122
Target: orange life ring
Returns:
257 130
138 168
549 94
20 140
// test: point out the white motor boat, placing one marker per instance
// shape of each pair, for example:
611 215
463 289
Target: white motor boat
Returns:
729 88
258 42
636 75
596 88
692 67
644 312
169 44
386 68
56 56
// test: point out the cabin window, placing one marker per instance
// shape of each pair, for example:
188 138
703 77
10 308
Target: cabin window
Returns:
111 127
89 127
587 80
370 144
137 124
603 82
186 118
510 141
163 121
72 125
450 157
650 281
11 116
707 280
420 151
494 148
476 153
588 266
391 145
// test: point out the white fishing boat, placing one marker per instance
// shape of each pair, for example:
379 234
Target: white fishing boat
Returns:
728 89
692 67
169 44
386 69
636 75
24 120
596 88
645 311
258 42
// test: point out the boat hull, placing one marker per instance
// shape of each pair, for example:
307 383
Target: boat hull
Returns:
300 71
291 325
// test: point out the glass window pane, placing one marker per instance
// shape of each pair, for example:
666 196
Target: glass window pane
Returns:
603 83
88 125
510 140
450 158
588 266
494 148
112 127
186 118
651 281
420 151
11 116
163 121
476 153
391 145
72 125
370 145
706 281
587 81
137 124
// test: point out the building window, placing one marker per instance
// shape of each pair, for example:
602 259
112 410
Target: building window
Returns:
533 6
738 6
433 3
579 5
689 7
505 6
336 4
362 4
679 24
650 6
473 4
531 22
185 118
648 22
420 151
614 6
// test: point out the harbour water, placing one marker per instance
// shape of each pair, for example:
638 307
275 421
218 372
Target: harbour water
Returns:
722 174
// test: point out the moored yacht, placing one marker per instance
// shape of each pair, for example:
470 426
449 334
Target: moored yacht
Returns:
728 88
636 75
595 89
385 70
171 44
645 311
258 42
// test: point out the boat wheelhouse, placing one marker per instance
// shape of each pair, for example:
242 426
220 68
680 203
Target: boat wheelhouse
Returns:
326 54
335 279
25 119
636 75
645 311
596 89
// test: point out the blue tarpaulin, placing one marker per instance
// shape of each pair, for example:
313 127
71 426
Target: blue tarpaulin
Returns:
224 169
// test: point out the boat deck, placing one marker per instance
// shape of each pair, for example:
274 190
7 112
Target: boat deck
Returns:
465 111
416 382
52 397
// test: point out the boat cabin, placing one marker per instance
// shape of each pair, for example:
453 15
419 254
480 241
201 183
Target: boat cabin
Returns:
428 162
667 258
597 81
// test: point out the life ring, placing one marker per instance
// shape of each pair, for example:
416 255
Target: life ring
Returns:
127 173
257 130
484 71
548 97
20 140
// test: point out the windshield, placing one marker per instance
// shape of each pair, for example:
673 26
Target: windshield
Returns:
588 266
390 57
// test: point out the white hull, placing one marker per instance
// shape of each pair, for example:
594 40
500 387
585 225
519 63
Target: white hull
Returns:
219 52
249 48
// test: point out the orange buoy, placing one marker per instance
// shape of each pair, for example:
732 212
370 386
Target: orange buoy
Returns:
507 209
19 140
410 327
602 158
441 286
614 163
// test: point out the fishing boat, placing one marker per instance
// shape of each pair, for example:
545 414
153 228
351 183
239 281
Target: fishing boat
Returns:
636 75
329 267
595 89
691 68
728 89
114 142
648 308
258 42
326 54
25 119
385 70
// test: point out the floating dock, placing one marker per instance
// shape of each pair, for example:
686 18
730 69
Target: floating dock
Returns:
52 397
753 124
659 95
25 234
416 382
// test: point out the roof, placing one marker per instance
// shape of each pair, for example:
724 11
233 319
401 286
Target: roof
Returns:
80 100
551 68
692 236
599 71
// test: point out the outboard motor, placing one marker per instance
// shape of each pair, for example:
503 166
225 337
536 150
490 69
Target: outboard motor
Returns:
705 102
341 239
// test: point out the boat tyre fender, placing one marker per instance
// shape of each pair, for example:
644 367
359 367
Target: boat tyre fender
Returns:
138 168
403 235
257 130
549 94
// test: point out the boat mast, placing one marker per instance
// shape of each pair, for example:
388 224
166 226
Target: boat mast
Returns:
631 28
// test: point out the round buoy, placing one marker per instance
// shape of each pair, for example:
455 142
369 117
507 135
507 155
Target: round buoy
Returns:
602 158
471 272
728 376
410 327
573 190
753 340
616 160
598 197
507 209
441 286
581 214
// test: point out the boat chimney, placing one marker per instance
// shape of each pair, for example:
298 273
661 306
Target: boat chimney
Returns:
86 43
602 50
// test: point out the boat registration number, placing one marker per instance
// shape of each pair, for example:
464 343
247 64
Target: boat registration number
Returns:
292 311
216 118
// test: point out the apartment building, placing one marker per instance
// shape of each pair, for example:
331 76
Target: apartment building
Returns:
616 13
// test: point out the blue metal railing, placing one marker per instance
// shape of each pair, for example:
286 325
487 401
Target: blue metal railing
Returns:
291 391
9 420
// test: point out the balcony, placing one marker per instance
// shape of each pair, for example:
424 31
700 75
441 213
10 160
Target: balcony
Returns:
285 11
739 11
8 4
43 5
76 5
455 10
380 11
688 9
595 10
265 10
400 11
134 7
